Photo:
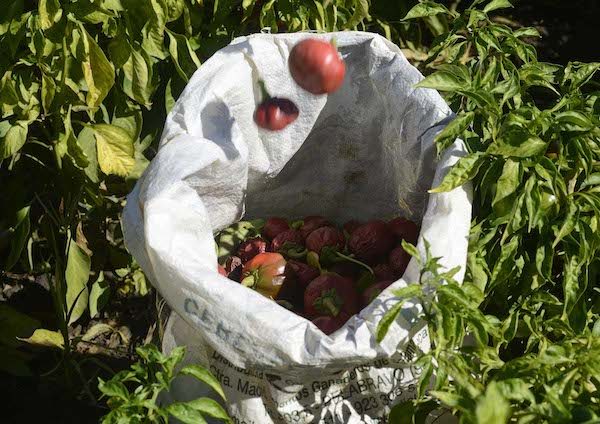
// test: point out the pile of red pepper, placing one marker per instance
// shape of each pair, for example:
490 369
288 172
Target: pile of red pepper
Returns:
313 268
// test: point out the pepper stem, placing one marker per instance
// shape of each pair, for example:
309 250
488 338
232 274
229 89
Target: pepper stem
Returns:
263 90
249 281
356 261
329 303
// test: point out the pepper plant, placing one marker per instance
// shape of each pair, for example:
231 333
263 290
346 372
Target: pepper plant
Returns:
530 297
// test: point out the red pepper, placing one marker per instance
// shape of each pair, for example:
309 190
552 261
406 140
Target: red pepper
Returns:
265 273
351 225
324 236
287 236
329 325
222 271
348 270
372 292
302 272
371 241
330 295
399 260
274 113
404 229
274 226
251 248
317 66
311 223
233 267
384 272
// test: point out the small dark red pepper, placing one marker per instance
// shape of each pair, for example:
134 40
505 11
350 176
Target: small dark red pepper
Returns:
311 223
273 226
303 273
233 267
251 248
404 229
330 295
324 236
287 236
351 225
399 260
384 272
372 292
329 325
371 241
275 113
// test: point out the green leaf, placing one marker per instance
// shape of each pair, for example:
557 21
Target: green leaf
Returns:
113 389
454 129
48 92
569 223
517 142
185 59
464 170
137 81
43 337
574 121
205 376
185 413
209 407
87 141
505 264
361 12
14 324
411 250
527 32
77 275
115 149
508 183
492 407
73 147
12 138
426 8
19 237
497 4
387 320
515 389
405 293
99 295
443 81
98 72
50 13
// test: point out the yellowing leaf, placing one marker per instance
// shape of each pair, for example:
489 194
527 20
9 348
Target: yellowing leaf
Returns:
12 138
98 72
77 275
50 13
43 337
115 149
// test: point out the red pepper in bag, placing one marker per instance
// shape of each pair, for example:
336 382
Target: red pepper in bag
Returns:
404 229
399 260
287 236
330 295
265 273
329 325
384 272
324 236
372 292
303 273
273 226
371 241
311 223
251 248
